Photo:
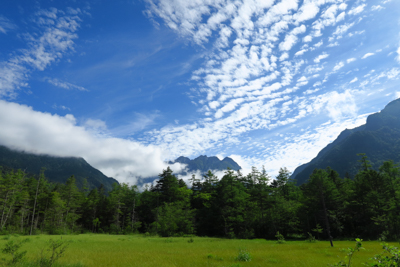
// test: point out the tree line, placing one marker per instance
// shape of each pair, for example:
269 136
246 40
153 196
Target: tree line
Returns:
234 206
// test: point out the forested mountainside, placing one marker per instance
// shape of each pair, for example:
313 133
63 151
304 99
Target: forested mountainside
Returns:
379 139
57 169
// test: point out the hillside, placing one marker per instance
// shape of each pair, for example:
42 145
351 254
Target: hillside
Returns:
58 169
379 139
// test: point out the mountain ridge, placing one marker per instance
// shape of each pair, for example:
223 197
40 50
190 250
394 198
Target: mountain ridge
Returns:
57 169
202 163
205 163
378 138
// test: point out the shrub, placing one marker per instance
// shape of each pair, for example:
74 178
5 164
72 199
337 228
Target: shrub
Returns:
243 255
350 252
392 257
55 251
311 238
12 249
280 237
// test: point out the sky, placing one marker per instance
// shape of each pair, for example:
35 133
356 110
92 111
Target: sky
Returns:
129 85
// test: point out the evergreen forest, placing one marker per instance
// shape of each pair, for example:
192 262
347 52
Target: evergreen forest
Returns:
233 206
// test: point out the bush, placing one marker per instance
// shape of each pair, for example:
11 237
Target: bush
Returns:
392 257
350 252
55 251
311 238
243 255
280 237
12 248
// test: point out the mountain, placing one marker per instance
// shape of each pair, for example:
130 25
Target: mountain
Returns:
201 163
379 139
204 163
57 169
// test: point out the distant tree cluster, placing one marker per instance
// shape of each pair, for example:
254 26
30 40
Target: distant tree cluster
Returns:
235 206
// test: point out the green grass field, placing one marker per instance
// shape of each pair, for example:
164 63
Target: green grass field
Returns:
139 250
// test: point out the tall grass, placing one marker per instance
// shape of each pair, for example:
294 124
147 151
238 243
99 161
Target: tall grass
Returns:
140 250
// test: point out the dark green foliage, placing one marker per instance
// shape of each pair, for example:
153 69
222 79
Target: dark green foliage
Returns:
232 212
235 206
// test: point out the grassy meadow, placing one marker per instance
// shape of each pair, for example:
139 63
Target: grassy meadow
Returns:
140 250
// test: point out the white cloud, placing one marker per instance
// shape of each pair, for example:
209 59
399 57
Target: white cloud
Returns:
44 133
252 80
284 56
319 44
341 105
214 104
354 80
307 39
398 54
333 44
300 53
351 60
357 9
321 57
290 41
307 11
340 30
392 74
60 107
309 143
338 66
65 85
97 125
377 7
367 55
56 38
6 25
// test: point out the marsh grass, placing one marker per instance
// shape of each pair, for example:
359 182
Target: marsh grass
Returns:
140 250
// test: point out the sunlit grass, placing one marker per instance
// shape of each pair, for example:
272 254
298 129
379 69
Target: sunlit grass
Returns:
138 250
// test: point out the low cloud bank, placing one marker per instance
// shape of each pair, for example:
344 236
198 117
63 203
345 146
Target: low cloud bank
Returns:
44 133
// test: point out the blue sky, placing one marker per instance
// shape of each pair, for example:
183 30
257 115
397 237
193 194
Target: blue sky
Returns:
129 85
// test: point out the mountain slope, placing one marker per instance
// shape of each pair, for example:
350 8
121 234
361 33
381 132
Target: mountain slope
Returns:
58 169
379 139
